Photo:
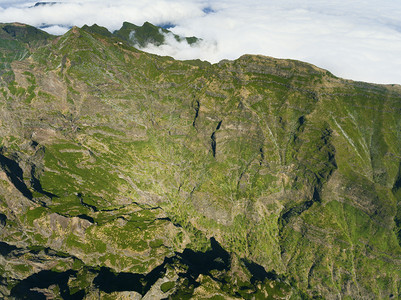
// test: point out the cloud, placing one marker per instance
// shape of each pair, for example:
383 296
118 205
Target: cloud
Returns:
110 14
203 49
55 29
360 40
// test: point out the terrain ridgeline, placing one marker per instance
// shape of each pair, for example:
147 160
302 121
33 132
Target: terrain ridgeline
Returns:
127 174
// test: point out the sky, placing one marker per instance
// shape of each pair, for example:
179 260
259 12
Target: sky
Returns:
359 40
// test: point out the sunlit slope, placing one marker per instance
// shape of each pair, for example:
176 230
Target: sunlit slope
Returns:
117 158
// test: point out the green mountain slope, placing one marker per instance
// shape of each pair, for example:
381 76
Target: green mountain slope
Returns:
16 42
141 36
129 174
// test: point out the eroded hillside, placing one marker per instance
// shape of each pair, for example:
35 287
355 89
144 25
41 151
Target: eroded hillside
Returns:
129 174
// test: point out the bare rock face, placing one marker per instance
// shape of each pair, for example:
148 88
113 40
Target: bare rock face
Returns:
115 295
73 225
125 175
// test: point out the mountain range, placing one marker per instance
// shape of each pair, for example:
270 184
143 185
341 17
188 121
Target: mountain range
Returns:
127 175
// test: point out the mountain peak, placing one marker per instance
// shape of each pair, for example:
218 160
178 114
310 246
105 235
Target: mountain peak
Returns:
25 33
141 36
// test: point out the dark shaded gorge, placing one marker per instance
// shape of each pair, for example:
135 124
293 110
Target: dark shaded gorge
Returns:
15 174
108 281
25 289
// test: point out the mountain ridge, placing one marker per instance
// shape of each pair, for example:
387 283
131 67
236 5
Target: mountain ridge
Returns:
124 159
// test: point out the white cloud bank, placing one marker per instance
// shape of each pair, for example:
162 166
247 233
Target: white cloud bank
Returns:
360 40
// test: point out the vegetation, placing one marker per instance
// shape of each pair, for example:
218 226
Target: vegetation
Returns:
141 36
123 171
